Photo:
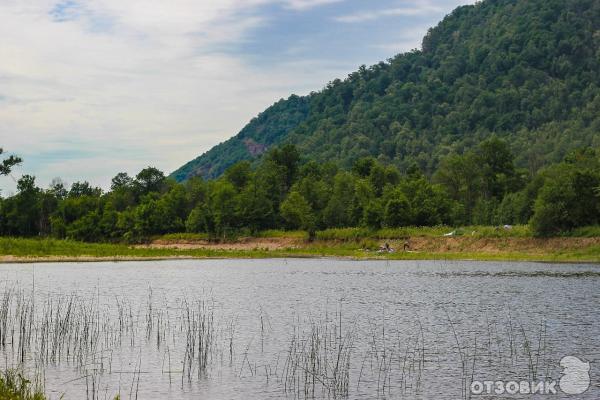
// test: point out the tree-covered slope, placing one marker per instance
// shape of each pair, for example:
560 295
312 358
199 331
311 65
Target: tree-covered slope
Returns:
269 128
527 71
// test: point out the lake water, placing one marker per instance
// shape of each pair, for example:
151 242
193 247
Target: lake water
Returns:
297 328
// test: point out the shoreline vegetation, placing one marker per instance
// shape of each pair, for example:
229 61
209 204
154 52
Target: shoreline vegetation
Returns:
15 386
286 207
482 243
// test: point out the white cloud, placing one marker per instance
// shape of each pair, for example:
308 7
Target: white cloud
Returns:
138 82
305 4
416 9
406 39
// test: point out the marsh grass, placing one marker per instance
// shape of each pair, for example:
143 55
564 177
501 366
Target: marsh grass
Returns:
328 355
15 386
319 359
199 330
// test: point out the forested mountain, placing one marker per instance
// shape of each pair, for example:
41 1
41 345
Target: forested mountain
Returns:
525 71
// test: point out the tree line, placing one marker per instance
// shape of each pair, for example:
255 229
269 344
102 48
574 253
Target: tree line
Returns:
284 191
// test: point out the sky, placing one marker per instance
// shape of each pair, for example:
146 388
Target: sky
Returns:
90 88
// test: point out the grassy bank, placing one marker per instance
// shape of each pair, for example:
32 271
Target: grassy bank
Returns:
435 231
425 244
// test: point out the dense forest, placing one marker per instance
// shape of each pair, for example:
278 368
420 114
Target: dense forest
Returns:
527 72
287 191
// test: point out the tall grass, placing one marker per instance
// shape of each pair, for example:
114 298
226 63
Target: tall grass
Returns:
585 231
319 359
274 233
15 386
328 355
184 236
199 330
347 234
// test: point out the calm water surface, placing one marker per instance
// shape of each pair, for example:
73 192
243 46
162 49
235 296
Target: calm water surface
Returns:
315 328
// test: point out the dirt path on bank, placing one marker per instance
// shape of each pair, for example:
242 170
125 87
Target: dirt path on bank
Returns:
459 244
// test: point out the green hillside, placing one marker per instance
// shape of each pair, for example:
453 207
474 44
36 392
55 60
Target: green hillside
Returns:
269 128
526 71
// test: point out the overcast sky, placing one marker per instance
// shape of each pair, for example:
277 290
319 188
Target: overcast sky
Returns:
89 88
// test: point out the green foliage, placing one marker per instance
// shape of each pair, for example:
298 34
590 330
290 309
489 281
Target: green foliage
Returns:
195 222
568 199
156 216
397 212
480 179
373 215
14 386
249 199
85 228
80 189
254 209
8 163
338 212
149 180
239 174
297 212
513 209
429 204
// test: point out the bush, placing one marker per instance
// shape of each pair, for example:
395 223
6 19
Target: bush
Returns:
566 201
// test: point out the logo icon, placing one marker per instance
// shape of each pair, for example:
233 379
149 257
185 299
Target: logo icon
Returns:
575 377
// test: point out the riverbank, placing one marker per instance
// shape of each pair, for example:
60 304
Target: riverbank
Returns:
424 245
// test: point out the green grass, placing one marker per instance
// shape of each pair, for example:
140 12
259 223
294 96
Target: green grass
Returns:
346 234
585 231
183 236
274 233
271 233
14 386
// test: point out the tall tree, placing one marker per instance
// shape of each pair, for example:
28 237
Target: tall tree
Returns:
8 163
